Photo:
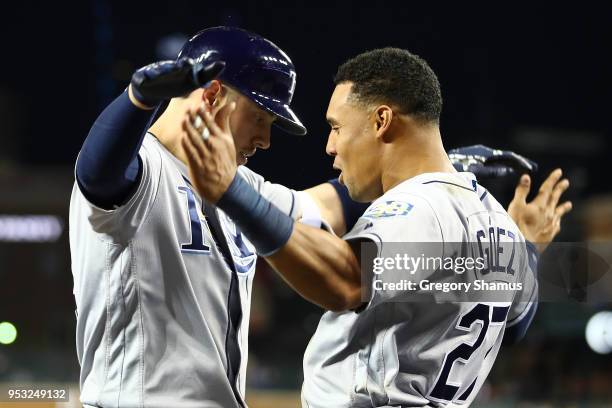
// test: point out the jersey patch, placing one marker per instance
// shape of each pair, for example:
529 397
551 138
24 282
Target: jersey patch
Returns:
388 209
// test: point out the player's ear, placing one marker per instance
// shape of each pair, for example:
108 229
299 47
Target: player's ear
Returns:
212 92
383 116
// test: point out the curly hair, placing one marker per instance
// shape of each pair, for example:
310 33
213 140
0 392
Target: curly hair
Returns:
396 77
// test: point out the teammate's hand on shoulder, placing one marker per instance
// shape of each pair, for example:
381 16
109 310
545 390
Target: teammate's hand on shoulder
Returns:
209 146
540 219
484 161
168 79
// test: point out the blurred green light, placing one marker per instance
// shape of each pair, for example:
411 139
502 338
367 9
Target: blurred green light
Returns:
8 333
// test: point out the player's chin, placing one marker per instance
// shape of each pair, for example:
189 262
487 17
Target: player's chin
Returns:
241 159
353 193
358 192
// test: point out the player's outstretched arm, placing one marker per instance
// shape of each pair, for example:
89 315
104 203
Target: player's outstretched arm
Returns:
107 169
540 219
320 266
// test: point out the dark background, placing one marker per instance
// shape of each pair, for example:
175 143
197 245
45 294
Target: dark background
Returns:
532 78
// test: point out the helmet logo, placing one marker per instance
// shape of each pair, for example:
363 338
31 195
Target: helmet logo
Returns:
274 59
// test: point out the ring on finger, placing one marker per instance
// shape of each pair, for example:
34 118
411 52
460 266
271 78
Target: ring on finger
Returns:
197 122
205 133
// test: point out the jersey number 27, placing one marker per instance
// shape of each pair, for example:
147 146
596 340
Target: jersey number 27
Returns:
487 316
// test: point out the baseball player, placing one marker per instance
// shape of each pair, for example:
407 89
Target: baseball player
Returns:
378 346
162 280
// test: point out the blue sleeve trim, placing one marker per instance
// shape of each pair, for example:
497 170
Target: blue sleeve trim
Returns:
517 331
108 168
532 257
519 325
292 204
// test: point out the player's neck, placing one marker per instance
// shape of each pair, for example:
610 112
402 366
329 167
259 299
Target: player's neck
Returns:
416 154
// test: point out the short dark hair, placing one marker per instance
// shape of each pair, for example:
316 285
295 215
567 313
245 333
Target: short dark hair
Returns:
397 77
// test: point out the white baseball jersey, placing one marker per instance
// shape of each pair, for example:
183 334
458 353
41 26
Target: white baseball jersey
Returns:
406 347
160 321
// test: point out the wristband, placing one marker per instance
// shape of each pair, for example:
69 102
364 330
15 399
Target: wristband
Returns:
267 227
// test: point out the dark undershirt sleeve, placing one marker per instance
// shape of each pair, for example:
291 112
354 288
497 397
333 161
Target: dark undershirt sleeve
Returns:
108 168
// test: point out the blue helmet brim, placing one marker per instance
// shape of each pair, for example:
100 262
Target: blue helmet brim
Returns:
286 119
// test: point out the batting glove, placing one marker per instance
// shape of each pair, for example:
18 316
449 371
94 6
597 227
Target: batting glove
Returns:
486 162
168 79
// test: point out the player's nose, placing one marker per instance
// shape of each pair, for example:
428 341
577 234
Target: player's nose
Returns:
262 140
330 148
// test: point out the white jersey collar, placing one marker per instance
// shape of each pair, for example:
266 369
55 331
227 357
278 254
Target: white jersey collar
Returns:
464 179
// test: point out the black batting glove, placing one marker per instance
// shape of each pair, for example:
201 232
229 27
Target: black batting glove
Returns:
163 80
486 162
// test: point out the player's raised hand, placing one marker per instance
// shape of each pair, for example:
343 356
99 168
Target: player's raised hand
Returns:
540 219
210 150
168 79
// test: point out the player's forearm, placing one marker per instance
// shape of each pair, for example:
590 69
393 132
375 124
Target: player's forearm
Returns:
107 167
317 264
320 267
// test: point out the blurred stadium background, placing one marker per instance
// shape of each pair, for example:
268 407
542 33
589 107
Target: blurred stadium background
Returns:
533 78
